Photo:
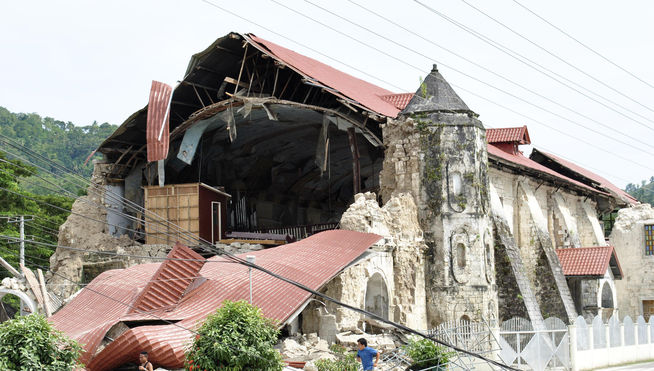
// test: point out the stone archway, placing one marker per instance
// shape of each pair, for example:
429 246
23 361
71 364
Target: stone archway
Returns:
26 300
376 300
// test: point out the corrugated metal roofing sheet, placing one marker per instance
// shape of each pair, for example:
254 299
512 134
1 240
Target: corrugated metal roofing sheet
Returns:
157 111
518 135
603 182
171 280
361 91
586 261
520 159
313 262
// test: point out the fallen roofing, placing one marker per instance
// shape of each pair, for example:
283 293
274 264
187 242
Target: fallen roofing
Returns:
589 261
549 160
105 304
518 135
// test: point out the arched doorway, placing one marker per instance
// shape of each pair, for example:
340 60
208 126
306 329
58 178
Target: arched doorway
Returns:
376 300
607 296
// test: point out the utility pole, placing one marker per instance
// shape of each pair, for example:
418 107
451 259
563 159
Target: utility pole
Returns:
21 252
250 259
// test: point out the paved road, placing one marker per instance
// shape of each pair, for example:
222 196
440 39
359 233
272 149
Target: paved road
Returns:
637 367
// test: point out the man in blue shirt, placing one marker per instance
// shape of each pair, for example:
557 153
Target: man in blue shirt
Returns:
365 355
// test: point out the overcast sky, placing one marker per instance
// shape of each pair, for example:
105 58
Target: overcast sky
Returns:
85 60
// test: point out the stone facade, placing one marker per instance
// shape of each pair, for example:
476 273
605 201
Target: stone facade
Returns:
635 292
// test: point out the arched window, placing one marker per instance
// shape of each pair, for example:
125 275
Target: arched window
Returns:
377 296
461 255
607 296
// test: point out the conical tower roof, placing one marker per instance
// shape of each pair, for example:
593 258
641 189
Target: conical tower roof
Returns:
435 94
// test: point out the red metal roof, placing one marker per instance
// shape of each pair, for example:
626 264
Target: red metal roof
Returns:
519 159
170 281
518 135
157 111
363 92
400 100
603 182
87 318
587 261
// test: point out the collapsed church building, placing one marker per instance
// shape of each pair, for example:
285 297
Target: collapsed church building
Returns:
269 147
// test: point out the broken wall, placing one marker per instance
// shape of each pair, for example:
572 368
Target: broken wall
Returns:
628 238
398 258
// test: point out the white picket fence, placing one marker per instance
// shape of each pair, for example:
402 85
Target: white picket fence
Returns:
600 344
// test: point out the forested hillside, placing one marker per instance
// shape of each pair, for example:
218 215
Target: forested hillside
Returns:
643 192
60 142
41 172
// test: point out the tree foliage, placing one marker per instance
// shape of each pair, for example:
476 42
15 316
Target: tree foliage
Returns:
31 343
643 192
425 353
237 337
60 142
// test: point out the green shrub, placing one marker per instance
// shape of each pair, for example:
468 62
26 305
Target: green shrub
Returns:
343 361
237 337
425 353
31 343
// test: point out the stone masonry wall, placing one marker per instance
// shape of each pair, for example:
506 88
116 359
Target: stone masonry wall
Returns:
628 238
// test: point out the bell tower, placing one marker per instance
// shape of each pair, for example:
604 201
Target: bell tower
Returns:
453 203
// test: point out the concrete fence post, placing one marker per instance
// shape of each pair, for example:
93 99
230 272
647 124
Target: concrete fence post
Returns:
572 338
591 340
622 342
649 333
607 336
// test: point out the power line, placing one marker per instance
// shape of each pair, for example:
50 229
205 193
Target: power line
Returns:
582 44
483 82
531 64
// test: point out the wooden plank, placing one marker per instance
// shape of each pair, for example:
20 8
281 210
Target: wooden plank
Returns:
34 284
356 167
253 242
44 292
8 266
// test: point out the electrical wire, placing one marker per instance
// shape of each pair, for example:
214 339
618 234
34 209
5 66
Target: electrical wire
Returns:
612 138
582 44
555 55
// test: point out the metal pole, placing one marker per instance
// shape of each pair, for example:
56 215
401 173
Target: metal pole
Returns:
250 259
22 241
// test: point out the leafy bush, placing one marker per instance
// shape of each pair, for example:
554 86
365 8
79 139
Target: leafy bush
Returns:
425 353
31 343
236 337
343 362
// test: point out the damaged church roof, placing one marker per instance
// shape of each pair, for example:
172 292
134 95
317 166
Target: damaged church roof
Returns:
589 261
573 170
102 318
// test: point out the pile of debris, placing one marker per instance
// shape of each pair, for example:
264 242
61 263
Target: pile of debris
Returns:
310 348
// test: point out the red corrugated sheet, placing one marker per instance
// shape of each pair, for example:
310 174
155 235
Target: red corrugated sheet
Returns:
518 135
586 261
170 280
363 92
313 262
157 110
590 175
519 159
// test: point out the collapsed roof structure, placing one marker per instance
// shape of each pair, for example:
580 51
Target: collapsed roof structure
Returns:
292 141
157 306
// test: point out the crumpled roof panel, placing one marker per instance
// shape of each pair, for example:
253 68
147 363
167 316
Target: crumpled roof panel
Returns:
313 262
